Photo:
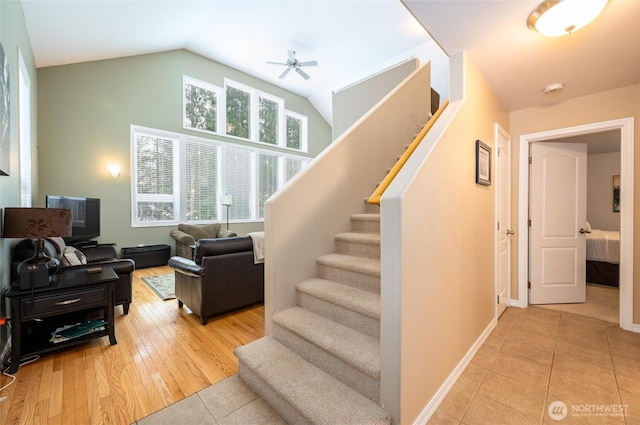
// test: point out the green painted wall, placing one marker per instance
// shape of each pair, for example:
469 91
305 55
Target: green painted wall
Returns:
13 36
85 111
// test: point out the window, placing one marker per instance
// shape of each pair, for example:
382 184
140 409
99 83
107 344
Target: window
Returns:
296 131
200 105
238 112
155 184
242 111
163 194
24 106
201 192
268 173
269 122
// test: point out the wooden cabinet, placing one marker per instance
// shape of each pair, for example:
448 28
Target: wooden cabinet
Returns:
71 297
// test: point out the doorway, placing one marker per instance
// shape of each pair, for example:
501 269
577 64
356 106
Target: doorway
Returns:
626 214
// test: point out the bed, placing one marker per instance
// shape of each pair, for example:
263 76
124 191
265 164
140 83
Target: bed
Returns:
603 257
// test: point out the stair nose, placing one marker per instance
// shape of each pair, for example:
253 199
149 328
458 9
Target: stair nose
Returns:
365 223
300 392
365 245
362 273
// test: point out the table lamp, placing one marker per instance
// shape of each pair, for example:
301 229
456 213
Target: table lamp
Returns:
37 223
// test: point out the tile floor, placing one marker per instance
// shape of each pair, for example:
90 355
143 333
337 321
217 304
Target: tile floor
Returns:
228 402
536 358
588 369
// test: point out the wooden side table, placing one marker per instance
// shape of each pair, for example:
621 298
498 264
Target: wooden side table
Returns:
36 314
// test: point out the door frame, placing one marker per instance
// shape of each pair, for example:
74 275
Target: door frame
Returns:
625 125
499 131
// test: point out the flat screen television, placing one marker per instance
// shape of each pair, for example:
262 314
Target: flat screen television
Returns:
85 213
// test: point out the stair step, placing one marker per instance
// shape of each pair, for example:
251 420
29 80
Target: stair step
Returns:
348 355
359 272
371 208
365 223
358 309
300 392
358 244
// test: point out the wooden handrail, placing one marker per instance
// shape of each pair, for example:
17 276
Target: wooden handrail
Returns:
377 194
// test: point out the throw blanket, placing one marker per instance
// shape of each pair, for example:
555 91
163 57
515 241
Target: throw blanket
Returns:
258 246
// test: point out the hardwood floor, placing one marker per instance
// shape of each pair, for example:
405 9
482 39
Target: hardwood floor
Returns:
163 355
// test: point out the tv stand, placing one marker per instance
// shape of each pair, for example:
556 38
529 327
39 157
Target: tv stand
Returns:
88 244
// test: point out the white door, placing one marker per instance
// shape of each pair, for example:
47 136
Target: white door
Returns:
558 216
503 218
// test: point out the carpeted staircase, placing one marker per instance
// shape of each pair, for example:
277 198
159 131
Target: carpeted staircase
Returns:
322 363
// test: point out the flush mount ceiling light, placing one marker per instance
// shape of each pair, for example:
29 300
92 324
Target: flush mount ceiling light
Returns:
554 18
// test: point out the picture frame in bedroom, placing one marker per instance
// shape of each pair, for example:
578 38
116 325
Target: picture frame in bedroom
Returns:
616 193
483 164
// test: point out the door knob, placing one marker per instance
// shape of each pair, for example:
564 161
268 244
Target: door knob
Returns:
584 231
510 232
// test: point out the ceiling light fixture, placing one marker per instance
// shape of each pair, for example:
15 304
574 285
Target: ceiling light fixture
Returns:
554 18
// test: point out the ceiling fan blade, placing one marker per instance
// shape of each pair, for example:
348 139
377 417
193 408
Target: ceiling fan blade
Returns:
302 73
284 73
277 63
292 55
309 63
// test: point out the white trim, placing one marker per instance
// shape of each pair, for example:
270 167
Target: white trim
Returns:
625 125
442 392
499 131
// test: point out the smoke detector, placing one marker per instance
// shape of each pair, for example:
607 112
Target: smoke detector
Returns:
553 88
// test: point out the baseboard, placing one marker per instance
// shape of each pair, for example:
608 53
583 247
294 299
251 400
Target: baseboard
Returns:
635 328
514 302
442 392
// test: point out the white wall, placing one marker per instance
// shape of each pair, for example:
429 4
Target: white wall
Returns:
600 171
352 102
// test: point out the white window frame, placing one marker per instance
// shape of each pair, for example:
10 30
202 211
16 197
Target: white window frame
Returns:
179 170
304 131
135 197
25 134
220 102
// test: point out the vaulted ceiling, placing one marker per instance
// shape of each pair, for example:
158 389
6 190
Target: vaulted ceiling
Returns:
350 39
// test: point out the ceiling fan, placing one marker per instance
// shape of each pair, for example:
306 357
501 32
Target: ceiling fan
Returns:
293 64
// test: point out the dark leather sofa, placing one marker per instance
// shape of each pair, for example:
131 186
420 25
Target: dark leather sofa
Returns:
100 255
222 277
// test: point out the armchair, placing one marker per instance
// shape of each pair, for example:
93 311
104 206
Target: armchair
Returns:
75 260
223 276
186 236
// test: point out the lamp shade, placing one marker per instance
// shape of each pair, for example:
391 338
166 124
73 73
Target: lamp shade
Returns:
37 222
227 200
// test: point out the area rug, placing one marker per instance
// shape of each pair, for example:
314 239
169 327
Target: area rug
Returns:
163 285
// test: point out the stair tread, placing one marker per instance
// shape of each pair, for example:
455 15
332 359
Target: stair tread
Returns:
366 216
352 347
358 300
315 394
352 263
359 237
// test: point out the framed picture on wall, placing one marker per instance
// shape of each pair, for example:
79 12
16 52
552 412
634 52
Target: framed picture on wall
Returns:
5 143
483 164
616 193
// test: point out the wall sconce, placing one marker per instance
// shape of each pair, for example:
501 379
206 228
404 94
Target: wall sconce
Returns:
114 170
554 18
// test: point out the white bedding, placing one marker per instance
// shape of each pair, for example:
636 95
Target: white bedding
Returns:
603 245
